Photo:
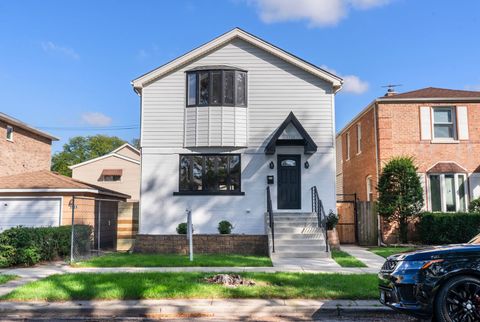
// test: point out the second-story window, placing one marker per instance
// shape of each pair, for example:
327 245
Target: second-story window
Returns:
9 133
347 145
216 87
444 126
359 138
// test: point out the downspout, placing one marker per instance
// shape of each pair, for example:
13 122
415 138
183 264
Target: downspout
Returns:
377 166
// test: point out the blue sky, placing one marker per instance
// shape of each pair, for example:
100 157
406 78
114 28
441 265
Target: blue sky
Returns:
68 64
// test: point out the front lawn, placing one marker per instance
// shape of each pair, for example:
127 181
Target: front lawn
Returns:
391 250
4 278
123 286
346 260
173 260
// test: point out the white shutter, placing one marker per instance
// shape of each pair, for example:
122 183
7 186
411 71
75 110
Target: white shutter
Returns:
421 176
462 124
474 183
425 124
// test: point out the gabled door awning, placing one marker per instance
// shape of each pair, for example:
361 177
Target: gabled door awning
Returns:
291 132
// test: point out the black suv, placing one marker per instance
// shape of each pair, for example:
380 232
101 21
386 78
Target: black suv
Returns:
442 281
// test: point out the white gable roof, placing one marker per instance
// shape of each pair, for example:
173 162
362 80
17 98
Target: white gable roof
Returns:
147 78
126 145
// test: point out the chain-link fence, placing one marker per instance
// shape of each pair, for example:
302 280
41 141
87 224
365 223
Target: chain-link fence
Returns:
94 226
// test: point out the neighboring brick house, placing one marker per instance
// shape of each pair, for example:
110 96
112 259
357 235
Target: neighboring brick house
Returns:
22 147
438 127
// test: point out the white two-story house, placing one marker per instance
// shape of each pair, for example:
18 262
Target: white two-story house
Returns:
222 123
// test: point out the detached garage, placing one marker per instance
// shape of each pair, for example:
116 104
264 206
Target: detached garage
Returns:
45 198
30 212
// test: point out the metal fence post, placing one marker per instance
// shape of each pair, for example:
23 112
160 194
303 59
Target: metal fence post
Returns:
73 229
99 223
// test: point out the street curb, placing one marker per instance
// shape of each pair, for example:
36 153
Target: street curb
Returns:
189 309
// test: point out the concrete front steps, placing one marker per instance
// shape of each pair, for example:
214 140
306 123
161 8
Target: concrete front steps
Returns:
297 235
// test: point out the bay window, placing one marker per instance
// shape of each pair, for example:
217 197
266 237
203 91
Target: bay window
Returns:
210 174
217 87
448 192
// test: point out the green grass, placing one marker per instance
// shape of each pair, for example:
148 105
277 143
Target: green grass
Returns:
122 286
167 260
4 278
391 250
346 260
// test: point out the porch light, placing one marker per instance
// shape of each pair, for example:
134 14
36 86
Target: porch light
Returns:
272 165
307 165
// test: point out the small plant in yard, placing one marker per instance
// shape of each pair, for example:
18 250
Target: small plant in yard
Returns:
474 206
225 227
182 228
331 220
400 193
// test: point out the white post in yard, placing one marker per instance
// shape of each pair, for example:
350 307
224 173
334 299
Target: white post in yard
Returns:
190 233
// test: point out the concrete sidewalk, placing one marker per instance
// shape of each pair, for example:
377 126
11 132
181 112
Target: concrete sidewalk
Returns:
240 309
370 259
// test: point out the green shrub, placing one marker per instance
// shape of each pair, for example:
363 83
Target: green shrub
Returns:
28 246
331 220
448 228
400 193
225 227
474 206
182 228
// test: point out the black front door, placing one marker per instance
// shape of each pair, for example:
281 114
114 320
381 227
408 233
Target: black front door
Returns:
288 186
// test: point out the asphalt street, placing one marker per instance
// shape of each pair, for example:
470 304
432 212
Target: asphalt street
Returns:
366 318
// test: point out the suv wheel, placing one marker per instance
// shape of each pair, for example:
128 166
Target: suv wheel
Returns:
459 300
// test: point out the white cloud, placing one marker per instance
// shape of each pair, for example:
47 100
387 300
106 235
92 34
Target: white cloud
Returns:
318 13
151 51
351 83
49 46
473 87
96 119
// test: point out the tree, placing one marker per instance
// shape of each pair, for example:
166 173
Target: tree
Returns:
136 143
400 193
83 148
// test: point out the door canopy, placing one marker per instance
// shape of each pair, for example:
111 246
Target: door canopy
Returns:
291 133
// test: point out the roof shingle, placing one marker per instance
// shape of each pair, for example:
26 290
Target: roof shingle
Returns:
45 179
434 92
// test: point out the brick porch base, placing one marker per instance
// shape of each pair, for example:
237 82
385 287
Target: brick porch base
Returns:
203 244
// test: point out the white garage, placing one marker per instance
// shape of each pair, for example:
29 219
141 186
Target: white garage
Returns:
30 212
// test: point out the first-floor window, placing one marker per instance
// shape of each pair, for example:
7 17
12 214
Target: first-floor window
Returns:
448 192
212 173
369 189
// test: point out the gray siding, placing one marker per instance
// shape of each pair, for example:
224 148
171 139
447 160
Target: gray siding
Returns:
275 88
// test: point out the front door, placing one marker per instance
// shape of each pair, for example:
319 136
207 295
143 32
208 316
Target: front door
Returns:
288 186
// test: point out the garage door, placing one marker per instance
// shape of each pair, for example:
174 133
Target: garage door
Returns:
30 212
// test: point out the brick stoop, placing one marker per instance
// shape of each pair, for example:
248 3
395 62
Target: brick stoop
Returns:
203 244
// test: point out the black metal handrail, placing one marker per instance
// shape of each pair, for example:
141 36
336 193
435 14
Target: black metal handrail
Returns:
317 208
270 218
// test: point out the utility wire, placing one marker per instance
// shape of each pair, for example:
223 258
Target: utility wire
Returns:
85 128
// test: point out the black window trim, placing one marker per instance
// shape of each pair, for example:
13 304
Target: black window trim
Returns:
222 86
238 192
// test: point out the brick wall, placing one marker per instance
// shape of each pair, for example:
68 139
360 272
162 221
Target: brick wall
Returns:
28 151
203 244
360 165
128 213
399 134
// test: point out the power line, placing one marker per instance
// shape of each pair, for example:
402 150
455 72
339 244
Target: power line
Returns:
90 128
